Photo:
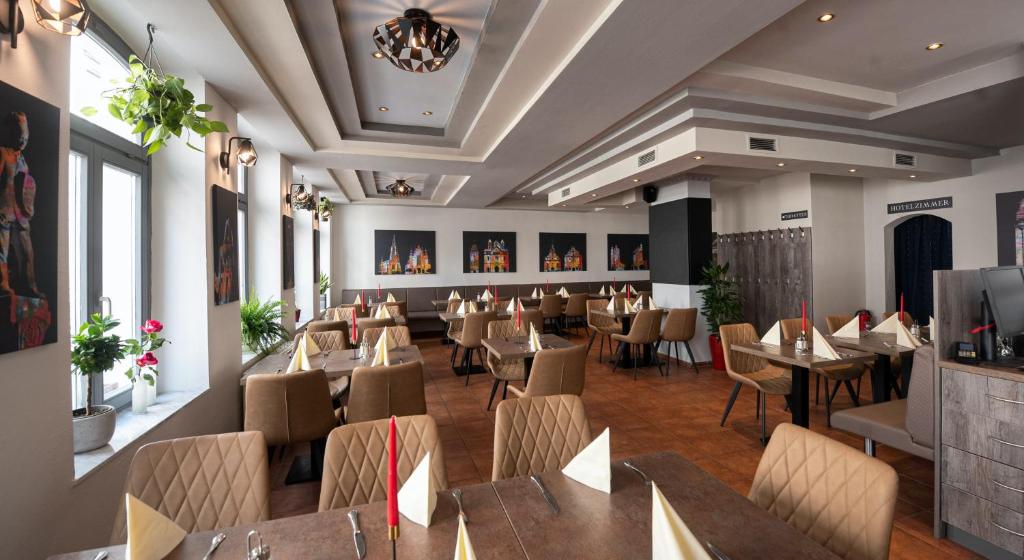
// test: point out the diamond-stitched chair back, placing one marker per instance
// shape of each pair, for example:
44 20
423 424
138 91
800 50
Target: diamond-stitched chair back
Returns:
551 306
791 329
538 434
400 333
325 325
328 340
738 363
378 392
289 408
201 483
356 460
829 491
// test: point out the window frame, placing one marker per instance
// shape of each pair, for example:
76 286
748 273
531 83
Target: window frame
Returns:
242 189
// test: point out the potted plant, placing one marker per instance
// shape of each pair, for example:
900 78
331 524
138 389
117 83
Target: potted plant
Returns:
143 372
93 352
261 323
325 285
720 305
325 209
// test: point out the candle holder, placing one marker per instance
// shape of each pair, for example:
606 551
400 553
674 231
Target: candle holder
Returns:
255 549
801 343
915 329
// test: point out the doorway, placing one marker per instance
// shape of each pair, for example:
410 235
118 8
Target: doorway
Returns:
920 245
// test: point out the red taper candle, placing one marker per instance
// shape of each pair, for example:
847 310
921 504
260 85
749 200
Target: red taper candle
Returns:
629 291
901 308
547 286
378 290
392 481
519 316
803 315
362 299
355 333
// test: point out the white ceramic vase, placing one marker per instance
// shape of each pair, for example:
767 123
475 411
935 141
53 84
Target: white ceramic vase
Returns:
150 394
140 396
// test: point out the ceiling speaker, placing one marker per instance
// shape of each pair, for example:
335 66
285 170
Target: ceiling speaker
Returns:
650 194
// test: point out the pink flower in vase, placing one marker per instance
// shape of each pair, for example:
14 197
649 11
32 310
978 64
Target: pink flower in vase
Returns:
152 326
146 360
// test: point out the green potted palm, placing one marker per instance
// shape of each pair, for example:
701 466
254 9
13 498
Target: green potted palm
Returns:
325 285
720 305
261 323
94 350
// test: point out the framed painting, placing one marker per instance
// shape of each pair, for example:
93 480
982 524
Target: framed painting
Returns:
404 252
488 251
1010 228
562 252
287 252
225 249
629 251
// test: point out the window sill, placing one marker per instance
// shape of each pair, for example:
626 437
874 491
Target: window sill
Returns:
131 427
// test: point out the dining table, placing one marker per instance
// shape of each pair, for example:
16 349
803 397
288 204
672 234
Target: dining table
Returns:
885 349
800 363
511 519
510 348
335 363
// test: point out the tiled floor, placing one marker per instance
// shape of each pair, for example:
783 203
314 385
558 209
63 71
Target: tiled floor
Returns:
679 412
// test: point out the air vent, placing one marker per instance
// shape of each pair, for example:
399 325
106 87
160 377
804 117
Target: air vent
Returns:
759 144
566 192
645 158
904 160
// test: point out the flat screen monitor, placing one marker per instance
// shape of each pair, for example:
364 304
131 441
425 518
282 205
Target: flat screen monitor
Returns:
1004 287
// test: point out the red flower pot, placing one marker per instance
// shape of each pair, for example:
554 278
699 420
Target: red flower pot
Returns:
717 355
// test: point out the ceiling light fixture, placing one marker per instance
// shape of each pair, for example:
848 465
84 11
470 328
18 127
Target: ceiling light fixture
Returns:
826 17
298 197
523 196
383 109
415 42
627 206
427 113
593 195
913 176
781 164
67 17
636 180
245 153
698 158
400 189
934 46
378 54
851 170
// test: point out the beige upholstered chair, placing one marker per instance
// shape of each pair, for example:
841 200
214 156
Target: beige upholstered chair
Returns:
838 375
386 391
344 310
836 322
504 370
533 315
643 331
370 323
321 326
356 466
601 325
752 371
329 341
538 434
907 319
680 325
474 330
453 305
202 483
825 489
576 311
551 309
454 326
395 308
401 333
561 371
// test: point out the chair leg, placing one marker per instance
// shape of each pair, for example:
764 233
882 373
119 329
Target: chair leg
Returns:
494 389
732 401
455 352
764 421
829 395
635 362
689 352
817 387
600 347
504 391
757 405
855 396
657 362
619 354
270 454
467 363
591 343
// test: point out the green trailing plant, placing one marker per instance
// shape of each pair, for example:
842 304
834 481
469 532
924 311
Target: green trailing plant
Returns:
325 283
721 299
158 106
325 208
94 351
261 323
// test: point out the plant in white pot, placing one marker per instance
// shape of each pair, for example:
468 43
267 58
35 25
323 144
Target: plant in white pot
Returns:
143 372
94 351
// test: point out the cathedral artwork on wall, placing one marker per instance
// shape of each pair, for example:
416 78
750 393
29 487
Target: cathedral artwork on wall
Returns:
563 252
488 251
404 252
1010 228
627 251
225 250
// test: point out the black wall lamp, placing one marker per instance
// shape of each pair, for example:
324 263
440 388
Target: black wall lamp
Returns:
245 153
299 198
67 17
13 21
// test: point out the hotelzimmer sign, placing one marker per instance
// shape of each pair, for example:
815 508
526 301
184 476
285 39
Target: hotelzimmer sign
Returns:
916 205
799 214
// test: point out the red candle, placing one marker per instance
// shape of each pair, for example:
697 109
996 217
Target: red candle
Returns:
378 290
547 286
629 291
803 316
519 316
355 334
495 294
362 299
392 482
901 308
615 285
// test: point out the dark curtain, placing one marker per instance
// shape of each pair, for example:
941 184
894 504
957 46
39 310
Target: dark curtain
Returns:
920 245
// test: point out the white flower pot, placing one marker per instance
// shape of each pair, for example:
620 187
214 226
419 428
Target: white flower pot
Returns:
94 431
140 396
150 394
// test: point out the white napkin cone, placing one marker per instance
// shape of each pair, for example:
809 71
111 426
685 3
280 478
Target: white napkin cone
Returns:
535 345
671 539
602 292
773 336
151 535
563 292
382 312
904 338
627 306
611 305
889 325
417 498
592 466
312 349
512 305
623 290
931 328
849 330
358 300
391 298
454 295
300 361
651 304
463 548
471 307
821 347
380 357
537 292
486 296
387 338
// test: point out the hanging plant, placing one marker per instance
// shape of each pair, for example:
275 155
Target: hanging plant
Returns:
326 208
157 105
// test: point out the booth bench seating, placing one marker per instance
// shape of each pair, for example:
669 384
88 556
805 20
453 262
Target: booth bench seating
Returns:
422 314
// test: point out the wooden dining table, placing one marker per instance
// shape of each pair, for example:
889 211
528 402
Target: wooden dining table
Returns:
885 349
510 519
336 364
800 363
518 348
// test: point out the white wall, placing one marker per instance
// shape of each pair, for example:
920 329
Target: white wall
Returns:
837 251
760 207
269 181
352 243
306 295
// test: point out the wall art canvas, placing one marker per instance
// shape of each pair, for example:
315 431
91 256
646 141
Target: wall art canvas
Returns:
288 252
225 249
404 252
29 191
488 251
1010 228
316 257
627 251
563 252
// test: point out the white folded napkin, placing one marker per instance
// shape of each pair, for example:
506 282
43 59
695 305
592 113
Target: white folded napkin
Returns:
471 307
602 292
300 361
380 356
417 498
563 292
537 292
651 304
512 305
382 312
627 306
486 296
904 338
454 295
311 347
611 305
593 465
773 336
388 337
151 535
535 344
358 300
391 298
623 289
463 548
888 326
931 328
821 347
849 330
671 539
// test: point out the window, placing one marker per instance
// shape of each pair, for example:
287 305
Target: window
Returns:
108 210
243 231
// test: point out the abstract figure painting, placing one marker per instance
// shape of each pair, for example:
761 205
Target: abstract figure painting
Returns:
627 251
29 190
1010 228
563 252
488 251
225 250
288 252
404 252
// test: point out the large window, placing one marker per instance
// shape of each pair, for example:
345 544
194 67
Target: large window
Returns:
108 208
243 231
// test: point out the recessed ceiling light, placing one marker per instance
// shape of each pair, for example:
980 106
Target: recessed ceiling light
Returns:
427 113
934 46
524 196
851 170
593 195
563 206
636 180
378 54
698 157
627 206
383 109
781 164
913 176
826 17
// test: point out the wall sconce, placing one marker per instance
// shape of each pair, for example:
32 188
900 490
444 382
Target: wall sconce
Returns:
13 21
245 153
67 17
299 198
